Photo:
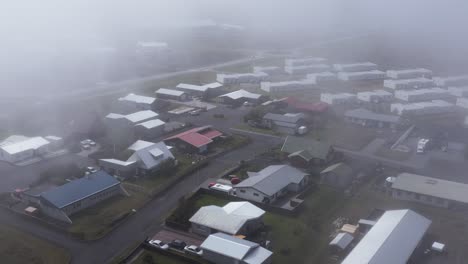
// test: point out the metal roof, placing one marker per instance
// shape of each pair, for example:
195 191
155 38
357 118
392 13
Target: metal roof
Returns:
79 189
152 123
199 136
236 248
272 179
17 144
149 154
140 99
362 113
241 94
342 240
391 240
449 190
228 219
201 88
315 148
169 92
135 117
284 118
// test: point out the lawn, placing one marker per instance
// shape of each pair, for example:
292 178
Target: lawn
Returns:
152 257
18 248
244 126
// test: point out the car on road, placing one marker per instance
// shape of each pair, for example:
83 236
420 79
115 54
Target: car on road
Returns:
193 250
178 244
158 244
91 169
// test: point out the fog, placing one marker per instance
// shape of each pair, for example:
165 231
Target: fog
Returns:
56 43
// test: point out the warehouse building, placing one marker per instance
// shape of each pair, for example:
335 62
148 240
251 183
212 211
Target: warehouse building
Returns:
322 77
205 90
304 61
242 78
431 191
270 70
368 118
392 240
18 148
361 75
425 94
171 94
355 67
338 98
458 91
376 96
239 97
305 69
423 108
289 123
409 73
288 86
461 80
416 83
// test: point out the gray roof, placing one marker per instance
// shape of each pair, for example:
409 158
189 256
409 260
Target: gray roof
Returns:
236 248
362 113
79 189
152 155
272 179
449 190
169 92
306 147
291 118
228 219
391 240
342 240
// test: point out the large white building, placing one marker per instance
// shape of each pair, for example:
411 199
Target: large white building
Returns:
355 67
375 96
241 78
361 75
306 69
409 73
122 129
338 98
17 148
392 240
322 77
416 83
288 86
304 61
200 90
460 80
425 94
423 108
458 91
133 102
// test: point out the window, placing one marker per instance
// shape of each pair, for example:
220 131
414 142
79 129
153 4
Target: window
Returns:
255 194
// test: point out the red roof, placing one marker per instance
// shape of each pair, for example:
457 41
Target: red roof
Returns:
319 107
196 140
197 137
211 133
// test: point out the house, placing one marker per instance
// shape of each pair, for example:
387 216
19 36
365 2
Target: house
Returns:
235 218
239 97
338 98
355 67
427 190
368 118
322 77
143 157
460 80
18 148
122 128
425 94
423 108
288 86
376 96
271 183
338 175
270 70
391 240
361 75
164 93
409 73
206 90
55 142
416 83
63 201
288 123
242 78
133 103
150 129
195 140
304 152
306 69
220 248
304 61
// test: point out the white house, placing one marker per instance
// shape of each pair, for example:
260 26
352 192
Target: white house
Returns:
306 69
322 77
240 96
288 86
235 218
409 73
241 78
375 96
133 102
17 148
355 67
458 91
304 61
164 93
425 94
460 80
122 129
361 75
423 108
338 98
271 183
416 83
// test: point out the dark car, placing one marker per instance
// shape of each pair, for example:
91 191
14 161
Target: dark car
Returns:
178 244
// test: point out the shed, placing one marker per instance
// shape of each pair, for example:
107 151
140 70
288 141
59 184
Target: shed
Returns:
342 240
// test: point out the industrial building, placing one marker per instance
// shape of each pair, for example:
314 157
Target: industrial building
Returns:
18 148
289 123
427 190
462 102
423 108
460 80
288 86
355 67
338 98
242 78
270 70
376 96
425 94
210 89
368 118
306 69
171 94
304 61
392 240
409 73
458 91
322 77
361 75
416 83
239 97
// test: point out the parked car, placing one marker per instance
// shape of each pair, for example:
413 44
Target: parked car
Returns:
159 244
195 112
178 244
193 250
91 169
235 180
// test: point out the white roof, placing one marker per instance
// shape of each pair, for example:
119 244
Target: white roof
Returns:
152 123
149 154
241 94
135 117
391 240
17 144
201 88
140 144
169 92
140 99
53 138
119 162
342 240
449 190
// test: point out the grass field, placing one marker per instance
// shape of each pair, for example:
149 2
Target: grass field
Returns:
156 258
18 248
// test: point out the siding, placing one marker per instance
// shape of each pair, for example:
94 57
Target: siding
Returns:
420 198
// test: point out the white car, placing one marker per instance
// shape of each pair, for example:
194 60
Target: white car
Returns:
159 244
193 250
422 145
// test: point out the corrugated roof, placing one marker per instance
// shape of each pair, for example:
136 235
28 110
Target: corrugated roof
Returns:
135 117
152 123
241 94
169 92
272 179
362 113
140 99
79 189
316 149
13 145
284 118
391 240
449 190
198 136
342 240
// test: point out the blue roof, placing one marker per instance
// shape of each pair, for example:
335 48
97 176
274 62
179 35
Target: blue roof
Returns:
79 189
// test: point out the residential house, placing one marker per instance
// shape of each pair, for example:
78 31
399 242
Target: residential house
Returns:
338 98
164 93
150 129
391 240
425 94
288 86
376 96
18 148
361 75
368 118
195 140
204 91
306 69
238 97
304 152
132 103
338 175
270 70
423 108
142 157
220 248
288 123
271 183
409 73
235 218
322 77
416 83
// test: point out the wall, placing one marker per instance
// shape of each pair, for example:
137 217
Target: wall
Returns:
409 196
249 195
218 259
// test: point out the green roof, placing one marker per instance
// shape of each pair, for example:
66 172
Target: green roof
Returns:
339 169
306 148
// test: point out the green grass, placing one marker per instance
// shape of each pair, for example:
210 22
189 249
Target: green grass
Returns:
17 248
244 126
232 142
157 259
